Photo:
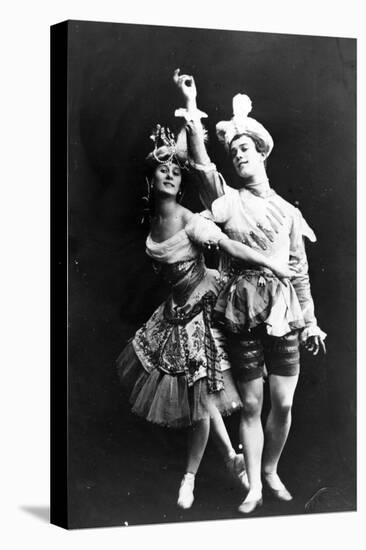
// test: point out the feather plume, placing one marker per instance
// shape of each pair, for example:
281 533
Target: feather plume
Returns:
242 106
205 134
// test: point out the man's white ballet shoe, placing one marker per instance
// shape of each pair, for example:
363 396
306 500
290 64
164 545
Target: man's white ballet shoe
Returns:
185 496
250 503
277 488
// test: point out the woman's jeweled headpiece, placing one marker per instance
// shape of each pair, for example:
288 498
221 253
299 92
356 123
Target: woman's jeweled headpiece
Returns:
166 148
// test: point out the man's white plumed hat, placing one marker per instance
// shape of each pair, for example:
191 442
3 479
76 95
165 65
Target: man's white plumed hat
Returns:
242 124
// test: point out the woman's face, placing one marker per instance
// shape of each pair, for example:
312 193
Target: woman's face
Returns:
167 179
247 161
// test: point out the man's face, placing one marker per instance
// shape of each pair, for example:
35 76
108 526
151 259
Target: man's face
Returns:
246 159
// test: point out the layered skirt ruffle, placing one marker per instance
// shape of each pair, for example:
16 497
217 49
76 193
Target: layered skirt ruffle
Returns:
167 399
256 297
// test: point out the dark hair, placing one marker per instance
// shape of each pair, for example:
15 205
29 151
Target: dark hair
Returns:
259 143
151 164
148 200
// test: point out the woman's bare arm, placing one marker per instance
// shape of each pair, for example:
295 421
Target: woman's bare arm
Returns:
243 252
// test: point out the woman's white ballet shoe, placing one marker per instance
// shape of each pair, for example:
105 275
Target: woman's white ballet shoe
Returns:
185 496
243 478
236 466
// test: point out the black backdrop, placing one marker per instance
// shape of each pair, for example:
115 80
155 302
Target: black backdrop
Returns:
120 85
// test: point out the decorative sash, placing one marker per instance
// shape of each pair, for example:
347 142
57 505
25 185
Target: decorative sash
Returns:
214 375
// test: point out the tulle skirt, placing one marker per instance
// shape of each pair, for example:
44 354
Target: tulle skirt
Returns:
167 399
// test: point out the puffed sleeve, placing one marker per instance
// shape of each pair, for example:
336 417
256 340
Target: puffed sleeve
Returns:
210 183
202 230
298 261
222 207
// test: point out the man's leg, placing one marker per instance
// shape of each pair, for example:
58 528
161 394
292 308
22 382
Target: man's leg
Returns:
251 435
282 389
282 358
247 363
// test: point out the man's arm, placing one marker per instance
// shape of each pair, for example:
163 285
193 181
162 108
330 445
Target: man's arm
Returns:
210 182
312 336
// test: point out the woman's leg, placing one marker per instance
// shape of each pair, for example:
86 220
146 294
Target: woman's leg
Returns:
197 441
234 462
251 434
282 389
220 435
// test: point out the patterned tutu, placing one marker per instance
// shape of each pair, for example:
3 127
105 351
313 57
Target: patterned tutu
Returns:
176 367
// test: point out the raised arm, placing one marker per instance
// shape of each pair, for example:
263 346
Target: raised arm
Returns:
211 185
192 115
